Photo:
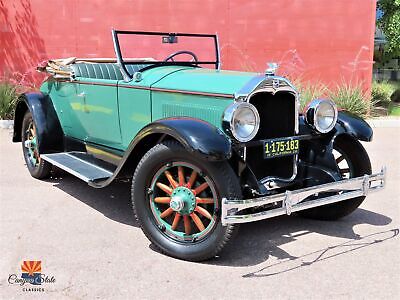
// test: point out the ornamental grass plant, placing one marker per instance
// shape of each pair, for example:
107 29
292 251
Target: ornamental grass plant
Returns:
8 100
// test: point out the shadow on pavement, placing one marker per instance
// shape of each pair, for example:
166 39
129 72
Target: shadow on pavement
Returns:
113 201
255 242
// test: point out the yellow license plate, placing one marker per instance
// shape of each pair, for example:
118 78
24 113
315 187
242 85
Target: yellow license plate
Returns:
281 147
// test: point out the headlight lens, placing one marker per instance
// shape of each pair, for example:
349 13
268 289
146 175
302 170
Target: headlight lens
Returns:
321 115
242 121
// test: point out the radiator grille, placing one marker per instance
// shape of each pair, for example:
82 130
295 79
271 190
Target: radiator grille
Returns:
277 119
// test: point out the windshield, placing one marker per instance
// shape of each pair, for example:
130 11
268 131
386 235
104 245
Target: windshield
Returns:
145 49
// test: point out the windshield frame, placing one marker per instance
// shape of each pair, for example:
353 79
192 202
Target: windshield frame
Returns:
122 64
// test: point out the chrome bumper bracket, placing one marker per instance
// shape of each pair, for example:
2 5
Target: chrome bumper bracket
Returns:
292 201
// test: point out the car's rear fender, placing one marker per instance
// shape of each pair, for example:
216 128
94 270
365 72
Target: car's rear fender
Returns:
48 128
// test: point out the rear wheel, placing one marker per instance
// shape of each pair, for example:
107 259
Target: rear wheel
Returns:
176 199
352 161
37 167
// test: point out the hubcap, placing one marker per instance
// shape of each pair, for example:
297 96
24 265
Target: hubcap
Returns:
183 201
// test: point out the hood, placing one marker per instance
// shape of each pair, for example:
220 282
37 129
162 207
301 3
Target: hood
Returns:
204 80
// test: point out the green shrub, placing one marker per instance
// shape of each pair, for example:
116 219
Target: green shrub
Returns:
382 91
8 100
309 92
352 98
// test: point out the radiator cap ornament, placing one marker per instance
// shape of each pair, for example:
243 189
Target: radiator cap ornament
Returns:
271 68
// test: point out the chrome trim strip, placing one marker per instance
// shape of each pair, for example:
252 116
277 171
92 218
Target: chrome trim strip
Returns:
292 201
217 95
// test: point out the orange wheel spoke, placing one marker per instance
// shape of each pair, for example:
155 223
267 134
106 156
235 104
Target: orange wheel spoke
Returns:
181 176
192 179
204 200
163 200
188 227
203 212
197 221
165 188
166 212
176 221
171 179
200 188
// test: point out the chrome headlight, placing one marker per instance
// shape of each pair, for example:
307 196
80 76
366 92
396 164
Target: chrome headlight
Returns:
321 115
242 121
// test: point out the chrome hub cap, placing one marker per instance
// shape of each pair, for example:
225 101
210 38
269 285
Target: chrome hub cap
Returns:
183 200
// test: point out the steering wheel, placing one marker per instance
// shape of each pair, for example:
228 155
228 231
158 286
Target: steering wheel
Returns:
171 56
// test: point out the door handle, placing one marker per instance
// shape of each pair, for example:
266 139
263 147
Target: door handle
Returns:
83 95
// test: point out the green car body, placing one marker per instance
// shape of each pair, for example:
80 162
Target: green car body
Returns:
205 149
112 112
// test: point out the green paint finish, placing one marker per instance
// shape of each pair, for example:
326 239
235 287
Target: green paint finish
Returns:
135 111
209 109
96 107
205 80
111 112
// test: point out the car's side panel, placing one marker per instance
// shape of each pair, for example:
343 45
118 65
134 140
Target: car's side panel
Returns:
96 108
134 108
63 94
206 108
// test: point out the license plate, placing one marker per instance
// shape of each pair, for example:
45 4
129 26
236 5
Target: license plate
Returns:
281 147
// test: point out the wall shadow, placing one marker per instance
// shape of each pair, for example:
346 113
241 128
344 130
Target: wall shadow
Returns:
22 48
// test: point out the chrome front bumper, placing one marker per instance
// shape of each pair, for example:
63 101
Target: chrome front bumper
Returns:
292 201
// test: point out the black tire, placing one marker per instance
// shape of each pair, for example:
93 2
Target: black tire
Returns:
226 184
40 169
359 165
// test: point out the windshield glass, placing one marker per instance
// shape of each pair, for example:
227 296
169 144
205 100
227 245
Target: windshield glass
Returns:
156 48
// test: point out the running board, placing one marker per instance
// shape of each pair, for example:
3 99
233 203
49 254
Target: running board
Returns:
79 164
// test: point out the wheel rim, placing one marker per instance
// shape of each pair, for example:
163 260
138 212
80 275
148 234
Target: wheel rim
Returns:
183 201
343 163
30 143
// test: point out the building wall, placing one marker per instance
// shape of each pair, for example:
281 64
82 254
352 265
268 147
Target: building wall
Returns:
322 40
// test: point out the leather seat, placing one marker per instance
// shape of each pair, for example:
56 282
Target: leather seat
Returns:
108 71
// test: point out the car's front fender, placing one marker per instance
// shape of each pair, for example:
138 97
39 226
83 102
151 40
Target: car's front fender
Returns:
197 136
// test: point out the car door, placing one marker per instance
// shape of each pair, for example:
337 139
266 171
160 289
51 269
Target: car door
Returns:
98 112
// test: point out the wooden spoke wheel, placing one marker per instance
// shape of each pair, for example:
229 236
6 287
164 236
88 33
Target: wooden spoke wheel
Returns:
176 199
183 201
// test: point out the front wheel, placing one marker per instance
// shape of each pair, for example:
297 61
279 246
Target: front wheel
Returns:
176 199
352 161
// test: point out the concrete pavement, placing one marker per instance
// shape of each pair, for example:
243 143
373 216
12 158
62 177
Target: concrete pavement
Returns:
87 240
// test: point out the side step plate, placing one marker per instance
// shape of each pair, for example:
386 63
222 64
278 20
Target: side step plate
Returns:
77 164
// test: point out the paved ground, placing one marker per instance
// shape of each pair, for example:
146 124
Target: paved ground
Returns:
87 240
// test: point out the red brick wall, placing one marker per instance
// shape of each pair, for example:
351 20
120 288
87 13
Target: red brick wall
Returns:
322 40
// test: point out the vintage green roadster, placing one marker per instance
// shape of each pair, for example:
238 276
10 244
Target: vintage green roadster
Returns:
205 149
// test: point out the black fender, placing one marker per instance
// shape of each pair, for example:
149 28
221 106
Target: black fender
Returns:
353 125
50 135
347 123
197 136
318 151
